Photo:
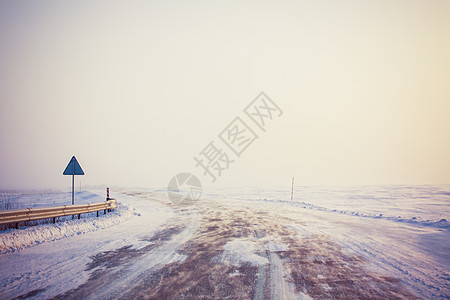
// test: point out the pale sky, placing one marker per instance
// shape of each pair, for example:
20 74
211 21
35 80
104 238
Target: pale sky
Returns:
136 89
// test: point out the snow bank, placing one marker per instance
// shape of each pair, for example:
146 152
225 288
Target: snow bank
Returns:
12 240
442 223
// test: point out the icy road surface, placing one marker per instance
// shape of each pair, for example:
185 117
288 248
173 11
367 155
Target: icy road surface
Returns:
239 247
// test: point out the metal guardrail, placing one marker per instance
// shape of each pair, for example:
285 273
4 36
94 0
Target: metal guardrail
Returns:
30 214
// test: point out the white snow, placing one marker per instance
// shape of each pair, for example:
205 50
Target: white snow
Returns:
423 204
400 231
242 250
15 240
60 265
29 199
274 247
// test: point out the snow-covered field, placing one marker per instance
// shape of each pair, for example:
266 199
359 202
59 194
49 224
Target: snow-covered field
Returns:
378 242
26 199
424 204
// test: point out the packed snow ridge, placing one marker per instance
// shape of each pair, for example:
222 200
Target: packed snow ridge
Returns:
443 223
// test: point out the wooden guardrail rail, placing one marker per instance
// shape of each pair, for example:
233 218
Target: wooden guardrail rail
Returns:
40 213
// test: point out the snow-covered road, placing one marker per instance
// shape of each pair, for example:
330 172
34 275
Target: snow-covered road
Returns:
234 249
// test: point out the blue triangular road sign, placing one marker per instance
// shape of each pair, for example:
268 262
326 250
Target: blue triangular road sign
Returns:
73 168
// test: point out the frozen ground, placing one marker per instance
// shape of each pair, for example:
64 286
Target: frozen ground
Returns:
329 243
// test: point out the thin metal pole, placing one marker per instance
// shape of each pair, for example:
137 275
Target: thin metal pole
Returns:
73 181
292 191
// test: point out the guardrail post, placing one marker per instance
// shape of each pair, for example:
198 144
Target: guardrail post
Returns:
54 220
17 225
97 213
79 216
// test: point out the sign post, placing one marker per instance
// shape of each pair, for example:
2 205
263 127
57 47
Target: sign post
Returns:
73 168
292 191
